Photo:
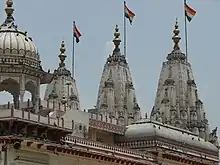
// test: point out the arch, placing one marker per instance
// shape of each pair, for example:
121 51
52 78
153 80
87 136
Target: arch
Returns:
5 98
30 86
10 85
4 78
27 95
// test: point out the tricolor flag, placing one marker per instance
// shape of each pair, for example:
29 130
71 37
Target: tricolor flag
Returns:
77 34
129 14
189 12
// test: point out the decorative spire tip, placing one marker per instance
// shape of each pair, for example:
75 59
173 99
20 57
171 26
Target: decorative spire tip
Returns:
9 10
176 38
62 55
9 3
9 7
117 39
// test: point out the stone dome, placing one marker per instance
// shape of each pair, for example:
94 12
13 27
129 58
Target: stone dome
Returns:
14 42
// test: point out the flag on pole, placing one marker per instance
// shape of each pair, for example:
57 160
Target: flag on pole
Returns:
189 12
77 34
129 14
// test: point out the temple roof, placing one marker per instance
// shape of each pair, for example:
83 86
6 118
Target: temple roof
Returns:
116 96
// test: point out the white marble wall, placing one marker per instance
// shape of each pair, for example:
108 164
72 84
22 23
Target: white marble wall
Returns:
80 120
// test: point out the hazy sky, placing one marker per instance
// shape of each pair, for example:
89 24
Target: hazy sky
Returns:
148 42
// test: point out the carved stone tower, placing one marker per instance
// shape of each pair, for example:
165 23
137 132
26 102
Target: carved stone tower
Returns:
177 102
62 92
116 96
20 67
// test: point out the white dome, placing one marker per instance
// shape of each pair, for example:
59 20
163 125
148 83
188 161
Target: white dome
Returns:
15 42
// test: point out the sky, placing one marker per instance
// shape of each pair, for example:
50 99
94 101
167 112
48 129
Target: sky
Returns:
148 42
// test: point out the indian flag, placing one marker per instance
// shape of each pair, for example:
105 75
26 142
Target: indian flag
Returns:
129 14
189 12
77 34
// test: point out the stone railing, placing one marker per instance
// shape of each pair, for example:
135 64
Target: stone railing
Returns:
97 121
84 143
26 104
105 123
100 117
43 104
28 116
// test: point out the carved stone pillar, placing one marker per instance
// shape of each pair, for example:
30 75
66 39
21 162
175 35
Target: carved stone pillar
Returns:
36 106
36 101
33 98
22 98
16 101
22 90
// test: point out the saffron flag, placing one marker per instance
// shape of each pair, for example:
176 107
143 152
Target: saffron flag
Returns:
77 34
189 12
129 14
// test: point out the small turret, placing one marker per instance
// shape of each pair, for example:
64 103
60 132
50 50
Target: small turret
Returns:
61 94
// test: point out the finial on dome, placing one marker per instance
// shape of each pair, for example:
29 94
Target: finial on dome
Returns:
117 39
62 55
9 10
176 38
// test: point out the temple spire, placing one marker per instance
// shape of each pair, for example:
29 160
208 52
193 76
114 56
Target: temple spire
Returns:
62 55
120 106
9 11
177 102
176 38
116 40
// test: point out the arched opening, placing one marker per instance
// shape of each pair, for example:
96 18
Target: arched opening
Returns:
12 95
27 95
9 92
30 94
5 97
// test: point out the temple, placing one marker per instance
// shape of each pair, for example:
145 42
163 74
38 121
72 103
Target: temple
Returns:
55 130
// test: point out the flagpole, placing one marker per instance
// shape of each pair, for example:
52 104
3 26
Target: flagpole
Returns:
124 31
186 35
73 52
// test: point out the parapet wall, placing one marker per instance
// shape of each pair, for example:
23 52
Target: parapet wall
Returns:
105 123
42 104
106 119
32 117
97 121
